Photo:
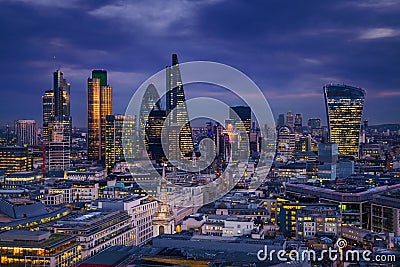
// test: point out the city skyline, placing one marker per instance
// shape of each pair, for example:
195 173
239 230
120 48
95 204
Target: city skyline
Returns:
291 59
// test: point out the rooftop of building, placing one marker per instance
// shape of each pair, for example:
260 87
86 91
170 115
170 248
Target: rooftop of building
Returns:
112 256
19 208
361 194
389 200
24 174
7 222
333 86
89 221
33 239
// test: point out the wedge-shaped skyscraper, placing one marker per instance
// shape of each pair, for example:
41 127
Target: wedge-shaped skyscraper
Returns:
344 109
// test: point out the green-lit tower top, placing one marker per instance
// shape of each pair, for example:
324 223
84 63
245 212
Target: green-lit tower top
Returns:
100 74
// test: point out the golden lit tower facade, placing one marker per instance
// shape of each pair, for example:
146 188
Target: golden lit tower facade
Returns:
344 109
99 106
179 124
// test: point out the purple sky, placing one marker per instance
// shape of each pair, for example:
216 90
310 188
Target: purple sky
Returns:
289 48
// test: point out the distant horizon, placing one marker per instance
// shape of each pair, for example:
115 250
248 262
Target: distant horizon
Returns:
289 49
2 127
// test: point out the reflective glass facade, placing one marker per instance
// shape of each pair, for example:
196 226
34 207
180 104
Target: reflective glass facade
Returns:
179 125
344 108
99 106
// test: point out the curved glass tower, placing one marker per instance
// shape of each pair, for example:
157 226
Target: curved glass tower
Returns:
344 108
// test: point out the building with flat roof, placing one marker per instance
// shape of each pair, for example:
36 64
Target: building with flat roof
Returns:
97 230
141 210
317 221
15 159
385 213
114 256
17 179
38 248
354 204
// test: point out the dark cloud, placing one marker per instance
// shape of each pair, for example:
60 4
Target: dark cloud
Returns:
289 48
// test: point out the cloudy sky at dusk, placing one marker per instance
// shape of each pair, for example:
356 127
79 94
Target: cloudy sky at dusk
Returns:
289 48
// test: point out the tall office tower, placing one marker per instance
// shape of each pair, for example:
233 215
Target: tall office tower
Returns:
61 95
58 149
113 135
303 144
99 106
313 124
365 124
153 130
221 141
150 102
328 158
364 129
48 112
285 143
244 113
314 127
179 131
26 132
298 123
281 120
344 108
289 119
57 124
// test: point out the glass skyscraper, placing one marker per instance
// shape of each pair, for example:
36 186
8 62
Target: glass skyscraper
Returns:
61 95
179 131
48 112
344 109
26 132
99 106
244 114
113 138
57 124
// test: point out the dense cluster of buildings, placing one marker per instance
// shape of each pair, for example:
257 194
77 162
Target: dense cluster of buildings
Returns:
70 197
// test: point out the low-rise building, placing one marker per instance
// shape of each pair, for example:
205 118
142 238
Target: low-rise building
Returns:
86 174
317 221
141 210
85 192
17 179
97 230
235 226
354 204
385 213
38 248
